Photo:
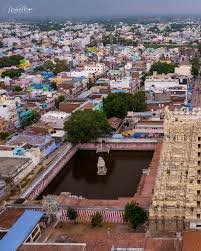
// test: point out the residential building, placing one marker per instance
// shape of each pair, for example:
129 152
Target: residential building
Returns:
162 82
17 163
55 118
8 112
184 70
95 68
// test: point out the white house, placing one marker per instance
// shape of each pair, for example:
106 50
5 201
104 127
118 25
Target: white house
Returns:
184 70
121 84
95 68
55 118
8 111
161 82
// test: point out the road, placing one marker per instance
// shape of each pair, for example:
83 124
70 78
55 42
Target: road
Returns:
196 95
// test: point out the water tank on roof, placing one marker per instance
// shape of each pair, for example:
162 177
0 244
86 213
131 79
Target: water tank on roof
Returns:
117 136
19 151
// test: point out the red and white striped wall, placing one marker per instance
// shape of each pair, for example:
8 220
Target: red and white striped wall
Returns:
84 215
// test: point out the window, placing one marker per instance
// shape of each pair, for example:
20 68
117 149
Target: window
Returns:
198 216
198 203
198 192
199 138
198 154
199 172
198 181
198 163
199 145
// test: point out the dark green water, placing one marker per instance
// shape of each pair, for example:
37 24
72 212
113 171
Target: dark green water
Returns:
80 177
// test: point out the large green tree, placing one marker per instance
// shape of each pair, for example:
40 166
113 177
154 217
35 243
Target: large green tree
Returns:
134 214
56 67
86 125
139 102
115 105
10 61
12 73
162 67
61 65
118 104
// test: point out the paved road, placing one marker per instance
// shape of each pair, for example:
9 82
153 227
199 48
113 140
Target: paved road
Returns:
196 96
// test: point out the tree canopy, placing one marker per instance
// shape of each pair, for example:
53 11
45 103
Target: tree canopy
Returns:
195 66
56 67
134 214
12 73
10 61
162 67
54 85
59 100
87 125
34 116
18 88
199 48
117 39
4 135
118 104
72 214
96 220
90 84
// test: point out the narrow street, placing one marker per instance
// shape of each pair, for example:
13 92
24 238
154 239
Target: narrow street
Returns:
196 96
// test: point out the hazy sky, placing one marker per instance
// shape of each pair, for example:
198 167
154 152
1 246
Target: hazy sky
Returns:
103 7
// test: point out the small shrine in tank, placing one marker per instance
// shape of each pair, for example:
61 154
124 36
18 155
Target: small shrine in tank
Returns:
102 170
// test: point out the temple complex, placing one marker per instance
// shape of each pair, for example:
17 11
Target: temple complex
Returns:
176 202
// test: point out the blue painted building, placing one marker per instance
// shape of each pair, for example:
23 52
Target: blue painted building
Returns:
24 116
41 87
46 143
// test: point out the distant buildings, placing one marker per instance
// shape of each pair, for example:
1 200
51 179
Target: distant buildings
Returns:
95 68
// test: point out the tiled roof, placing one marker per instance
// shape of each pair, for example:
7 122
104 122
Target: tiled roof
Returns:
115 122
9 217
161 244
192 241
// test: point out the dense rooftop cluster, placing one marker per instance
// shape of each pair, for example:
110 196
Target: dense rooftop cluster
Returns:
63 85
